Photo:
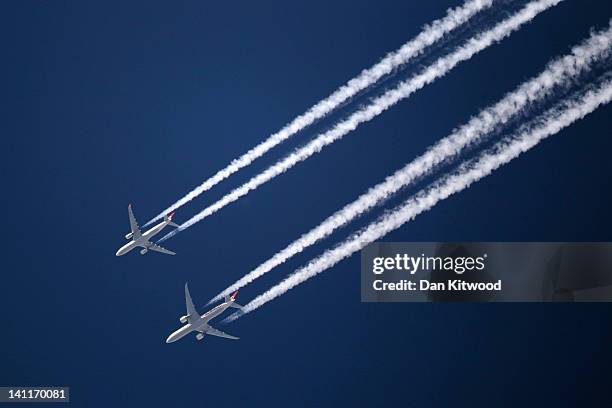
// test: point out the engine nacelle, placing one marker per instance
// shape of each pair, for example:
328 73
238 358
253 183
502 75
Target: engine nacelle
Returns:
144 251
200 336
183 319
128 236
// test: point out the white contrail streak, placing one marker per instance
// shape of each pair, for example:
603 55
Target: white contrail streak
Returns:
560 71
406 88
546 125
428 36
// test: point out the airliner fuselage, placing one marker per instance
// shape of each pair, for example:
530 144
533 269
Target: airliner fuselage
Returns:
196 323
143 239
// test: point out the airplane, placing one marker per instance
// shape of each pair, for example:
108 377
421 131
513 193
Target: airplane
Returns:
139 239
194 322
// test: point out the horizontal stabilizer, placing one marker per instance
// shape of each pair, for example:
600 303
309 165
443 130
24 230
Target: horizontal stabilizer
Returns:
168 219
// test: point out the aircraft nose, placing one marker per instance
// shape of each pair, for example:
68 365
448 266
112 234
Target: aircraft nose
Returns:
169 339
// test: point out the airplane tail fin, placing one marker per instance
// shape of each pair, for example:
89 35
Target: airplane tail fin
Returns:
168 219
229 298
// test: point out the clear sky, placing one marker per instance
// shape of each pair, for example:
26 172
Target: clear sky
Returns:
108 103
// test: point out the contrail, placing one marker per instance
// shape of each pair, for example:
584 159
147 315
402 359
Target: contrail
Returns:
546 125
428 36
406 88
560 71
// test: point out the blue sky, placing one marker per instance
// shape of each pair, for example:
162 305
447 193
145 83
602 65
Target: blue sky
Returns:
108 103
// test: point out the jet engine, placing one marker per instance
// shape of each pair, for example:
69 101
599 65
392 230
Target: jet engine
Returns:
144 251
128 236
183 319
200 336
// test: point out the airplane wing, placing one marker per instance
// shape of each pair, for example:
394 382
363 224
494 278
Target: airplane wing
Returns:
155 247
133 224
219 333
191 310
